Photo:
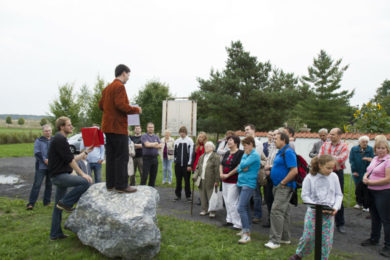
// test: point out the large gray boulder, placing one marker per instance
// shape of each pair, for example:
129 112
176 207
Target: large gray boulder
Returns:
118 225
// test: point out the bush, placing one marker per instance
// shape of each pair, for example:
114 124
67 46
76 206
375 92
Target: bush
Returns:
18 137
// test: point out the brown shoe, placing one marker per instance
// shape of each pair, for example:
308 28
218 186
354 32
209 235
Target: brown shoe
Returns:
128 189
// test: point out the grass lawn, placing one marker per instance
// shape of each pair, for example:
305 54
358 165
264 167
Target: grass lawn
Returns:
25 235
16 150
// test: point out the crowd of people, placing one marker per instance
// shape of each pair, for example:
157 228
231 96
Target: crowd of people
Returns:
245 170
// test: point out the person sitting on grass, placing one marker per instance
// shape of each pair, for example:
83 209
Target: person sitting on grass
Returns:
61 164
208 170
321 187
247 181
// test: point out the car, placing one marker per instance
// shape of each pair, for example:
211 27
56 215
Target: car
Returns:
75 142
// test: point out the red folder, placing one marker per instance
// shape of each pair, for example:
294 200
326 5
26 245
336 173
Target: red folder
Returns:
92 137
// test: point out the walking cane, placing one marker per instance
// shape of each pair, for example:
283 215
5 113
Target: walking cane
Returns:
192 195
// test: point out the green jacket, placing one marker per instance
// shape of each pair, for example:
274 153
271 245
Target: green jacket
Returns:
212 170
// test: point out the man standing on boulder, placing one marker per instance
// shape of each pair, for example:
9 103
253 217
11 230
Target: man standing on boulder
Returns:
61 164
115 106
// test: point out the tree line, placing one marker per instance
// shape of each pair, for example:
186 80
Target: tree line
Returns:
248 90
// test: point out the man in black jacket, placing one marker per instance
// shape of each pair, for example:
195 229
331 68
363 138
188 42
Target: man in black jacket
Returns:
183 160
61 164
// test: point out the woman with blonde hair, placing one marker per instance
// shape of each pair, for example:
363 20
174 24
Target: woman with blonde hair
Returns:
199 149
377 178
166 155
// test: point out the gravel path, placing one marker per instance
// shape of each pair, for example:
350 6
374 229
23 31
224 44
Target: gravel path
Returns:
357 226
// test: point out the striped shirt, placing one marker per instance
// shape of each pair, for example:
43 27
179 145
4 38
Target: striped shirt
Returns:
339 152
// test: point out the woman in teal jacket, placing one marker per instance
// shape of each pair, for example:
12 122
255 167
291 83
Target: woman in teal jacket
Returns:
247 180
359 158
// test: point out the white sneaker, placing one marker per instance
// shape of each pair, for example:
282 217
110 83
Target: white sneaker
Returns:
203 213
286 242
240 233
163 182
244 239
366 209
272 245
212 215
169 182
357 206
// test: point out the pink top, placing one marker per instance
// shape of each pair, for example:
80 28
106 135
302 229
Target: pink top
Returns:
379 171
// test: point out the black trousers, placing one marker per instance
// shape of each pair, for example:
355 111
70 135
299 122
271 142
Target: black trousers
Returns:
268 195
117 158
149 169
340 214
180 173
380 215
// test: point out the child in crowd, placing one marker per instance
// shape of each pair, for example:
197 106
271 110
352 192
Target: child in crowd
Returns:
83 164
321 187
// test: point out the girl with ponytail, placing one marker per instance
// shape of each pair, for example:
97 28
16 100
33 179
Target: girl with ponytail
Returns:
320 187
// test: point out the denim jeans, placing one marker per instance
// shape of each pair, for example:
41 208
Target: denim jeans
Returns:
167 170
380 215
257 202
38 179
97 171
244 208
64 181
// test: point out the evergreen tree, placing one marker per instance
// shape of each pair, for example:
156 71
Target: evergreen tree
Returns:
150 99
246 91
325 104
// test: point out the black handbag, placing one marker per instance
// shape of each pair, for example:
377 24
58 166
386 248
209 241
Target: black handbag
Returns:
361 192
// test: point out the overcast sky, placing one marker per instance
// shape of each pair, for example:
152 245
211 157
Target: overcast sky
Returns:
44 44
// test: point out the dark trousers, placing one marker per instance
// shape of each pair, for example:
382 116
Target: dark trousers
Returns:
149 168
340 214
138 163
380 214
268 195
117 157
180 173
38 179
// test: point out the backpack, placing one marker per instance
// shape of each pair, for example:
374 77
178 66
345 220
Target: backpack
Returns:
303 169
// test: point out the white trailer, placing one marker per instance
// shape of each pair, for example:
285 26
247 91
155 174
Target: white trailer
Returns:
177 113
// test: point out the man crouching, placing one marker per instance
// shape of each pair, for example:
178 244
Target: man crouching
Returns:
61 164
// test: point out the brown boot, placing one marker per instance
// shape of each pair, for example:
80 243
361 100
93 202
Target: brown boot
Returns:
128 189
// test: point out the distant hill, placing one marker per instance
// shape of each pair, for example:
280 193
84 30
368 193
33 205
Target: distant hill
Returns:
28 117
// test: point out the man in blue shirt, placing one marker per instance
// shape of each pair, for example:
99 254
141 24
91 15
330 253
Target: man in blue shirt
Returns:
283 174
